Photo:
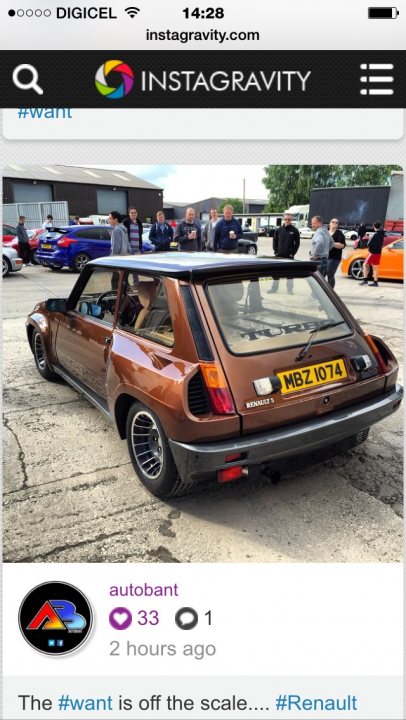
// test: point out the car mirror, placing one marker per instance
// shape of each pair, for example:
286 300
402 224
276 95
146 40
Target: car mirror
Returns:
56 305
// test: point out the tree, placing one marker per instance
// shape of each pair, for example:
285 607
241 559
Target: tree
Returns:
235 202
291 184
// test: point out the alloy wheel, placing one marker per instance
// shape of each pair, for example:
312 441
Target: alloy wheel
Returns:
147 444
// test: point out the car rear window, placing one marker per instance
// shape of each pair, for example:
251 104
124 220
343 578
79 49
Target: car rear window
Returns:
262 314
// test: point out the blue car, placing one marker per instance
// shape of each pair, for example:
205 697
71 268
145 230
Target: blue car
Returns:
74 246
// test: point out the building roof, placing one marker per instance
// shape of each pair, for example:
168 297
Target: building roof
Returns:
71 174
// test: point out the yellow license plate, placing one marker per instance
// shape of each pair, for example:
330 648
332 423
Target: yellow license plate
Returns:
46 246
174 244
312 375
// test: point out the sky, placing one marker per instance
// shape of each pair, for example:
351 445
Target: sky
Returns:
190 183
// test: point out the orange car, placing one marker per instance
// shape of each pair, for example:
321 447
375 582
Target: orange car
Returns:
391 267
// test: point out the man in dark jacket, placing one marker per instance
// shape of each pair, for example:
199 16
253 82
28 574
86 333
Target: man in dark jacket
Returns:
133 226
189 233
286 243
373 258
24 249
336 252
362 240
227 233
161 234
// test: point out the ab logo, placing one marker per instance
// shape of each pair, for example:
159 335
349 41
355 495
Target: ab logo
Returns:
55 618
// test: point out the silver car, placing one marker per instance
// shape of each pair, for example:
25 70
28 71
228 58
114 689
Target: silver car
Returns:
11 261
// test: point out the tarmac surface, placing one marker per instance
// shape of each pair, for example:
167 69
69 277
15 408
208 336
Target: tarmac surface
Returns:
71 495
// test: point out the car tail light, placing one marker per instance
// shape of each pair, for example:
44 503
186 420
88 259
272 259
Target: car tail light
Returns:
229 474
377 353
65 242
219 393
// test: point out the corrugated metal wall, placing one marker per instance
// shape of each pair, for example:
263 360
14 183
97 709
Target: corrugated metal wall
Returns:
82 198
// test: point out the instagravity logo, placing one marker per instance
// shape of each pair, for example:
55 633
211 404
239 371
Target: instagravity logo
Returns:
55 618
114 79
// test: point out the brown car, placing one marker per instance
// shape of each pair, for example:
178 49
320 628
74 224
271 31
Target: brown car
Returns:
212 364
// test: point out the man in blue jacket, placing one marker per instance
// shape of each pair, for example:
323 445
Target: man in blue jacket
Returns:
227 233
161 233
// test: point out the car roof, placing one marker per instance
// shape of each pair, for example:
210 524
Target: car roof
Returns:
201 264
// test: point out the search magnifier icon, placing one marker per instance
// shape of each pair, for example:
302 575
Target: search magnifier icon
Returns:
32 84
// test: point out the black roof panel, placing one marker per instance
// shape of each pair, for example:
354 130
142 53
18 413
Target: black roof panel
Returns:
200 264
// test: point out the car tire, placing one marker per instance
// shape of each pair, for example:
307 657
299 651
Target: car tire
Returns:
41 361
34 258
150 453
252 250
355 270
6 267
80 260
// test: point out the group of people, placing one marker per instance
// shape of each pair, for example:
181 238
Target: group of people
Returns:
327 247
220 234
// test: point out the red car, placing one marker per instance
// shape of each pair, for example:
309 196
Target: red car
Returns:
10 239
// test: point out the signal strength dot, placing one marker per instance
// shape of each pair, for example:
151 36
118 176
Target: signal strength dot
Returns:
132 11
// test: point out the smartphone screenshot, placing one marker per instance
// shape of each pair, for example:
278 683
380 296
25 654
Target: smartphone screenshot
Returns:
202 297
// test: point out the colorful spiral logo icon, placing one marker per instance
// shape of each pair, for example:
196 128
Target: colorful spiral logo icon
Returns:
125 73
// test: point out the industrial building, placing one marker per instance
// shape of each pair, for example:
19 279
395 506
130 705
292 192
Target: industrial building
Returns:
88 191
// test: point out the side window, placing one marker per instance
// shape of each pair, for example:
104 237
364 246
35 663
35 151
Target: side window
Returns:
144 309
99 296
93 233
398 245
9 231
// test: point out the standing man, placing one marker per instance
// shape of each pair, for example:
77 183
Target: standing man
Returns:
227 233
335 254
286 243
189 233
373 259
161 233
322 242
120 244
208 232
134 229
75 221
24 250
362 231
49 223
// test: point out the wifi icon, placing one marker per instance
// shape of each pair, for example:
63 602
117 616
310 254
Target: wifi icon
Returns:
132 11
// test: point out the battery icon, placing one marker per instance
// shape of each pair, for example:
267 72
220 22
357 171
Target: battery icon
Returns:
382 13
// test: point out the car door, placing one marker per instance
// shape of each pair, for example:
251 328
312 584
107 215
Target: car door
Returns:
392 261
97 240
85 333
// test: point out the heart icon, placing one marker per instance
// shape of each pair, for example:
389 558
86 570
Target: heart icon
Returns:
120 618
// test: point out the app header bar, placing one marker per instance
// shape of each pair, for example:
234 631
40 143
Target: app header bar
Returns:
197 79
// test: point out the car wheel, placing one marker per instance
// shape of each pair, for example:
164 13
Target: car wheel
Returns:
40 357
80 260
6 266
150 453
355 269
252 250
34 258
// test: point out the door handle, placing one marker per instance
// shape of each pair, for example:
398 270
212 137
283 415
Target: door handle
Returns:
108 340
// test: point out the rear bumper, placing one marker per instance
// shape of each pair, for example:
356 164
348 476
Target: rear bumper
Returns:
198 460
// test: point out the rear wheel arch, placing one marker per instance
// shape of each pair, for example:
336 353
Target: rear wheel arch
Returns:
121 410
30 330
